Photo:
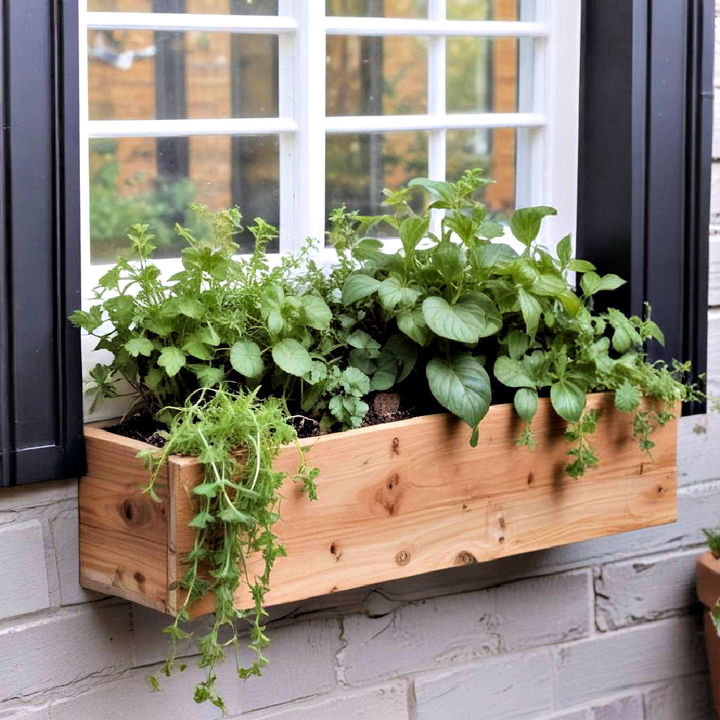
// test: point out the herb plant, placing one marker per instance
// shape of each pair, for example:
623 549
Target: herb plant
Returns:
231 353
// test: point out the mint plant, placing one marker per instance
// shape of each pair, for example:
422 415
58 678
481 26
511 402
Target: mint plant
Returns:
228 352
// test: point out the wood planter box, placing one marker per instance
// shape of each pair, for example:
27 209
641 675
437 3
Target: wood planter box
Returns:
708 590
395 500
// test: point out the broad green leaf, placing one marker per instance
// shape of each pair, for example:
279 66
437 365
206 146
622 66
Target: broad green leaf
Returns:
526 403
358 286
208 335
208 375
592 283
317 373
191 307
315 312
88 320
512 373
290 356
652 330
487 256
139 346
518 343
564 250
386 374
440 192
412 323
571 302
461 385
197 349
466 321
355 382
361 340
627 397
525 222
412 230
568 400
246 359
581 266
393 292
172 359
450 260
120 309
550 285
530 309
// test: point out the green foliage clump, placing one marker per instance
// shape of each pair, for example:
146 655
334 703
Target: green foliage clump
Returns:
230 350
236 509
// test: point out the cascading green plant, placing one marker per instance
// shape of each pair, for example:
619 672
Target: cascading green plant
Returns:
235 510
229 351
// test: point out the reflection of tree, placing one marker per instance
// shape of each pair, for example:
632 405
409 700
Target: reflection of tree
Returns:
115 205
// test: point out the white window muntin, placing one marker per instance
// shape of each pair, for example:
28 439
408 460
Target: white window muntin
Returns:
546 161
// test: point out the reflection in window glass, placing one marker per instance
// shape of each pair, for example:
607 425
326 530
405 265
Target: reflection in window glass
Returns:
201 75
377 8
148 180
359 166
493 150
376 76
507 10
226 7
484 74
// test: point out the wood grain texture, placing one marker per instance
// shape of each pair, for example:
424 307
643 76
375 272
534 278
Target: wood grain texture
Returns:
411 497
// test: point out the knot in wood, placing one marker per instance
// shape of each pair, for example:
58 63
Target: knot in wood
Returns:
403 557
466 558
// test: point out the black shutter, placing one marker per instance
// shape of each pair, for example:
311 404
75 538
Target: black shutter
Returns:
40 393
645 155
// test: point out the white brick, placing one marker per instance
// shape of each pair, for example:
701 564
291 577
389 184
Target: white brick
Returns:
612 663
302 664
22 712
632 592
627 708
686 698
510 687
388 702
39 495
63 649
301 655
130 698
64 532
22 563
462 628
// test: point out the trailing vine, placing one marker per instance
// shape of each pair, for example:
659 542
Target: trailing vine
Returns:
236 507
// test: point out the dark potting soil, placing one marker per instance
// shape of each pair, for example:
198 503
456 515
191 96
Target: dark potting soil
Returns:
384 408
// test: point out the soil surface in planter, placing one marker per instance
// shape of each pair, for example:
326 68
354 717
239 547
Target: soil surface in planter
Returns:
384 408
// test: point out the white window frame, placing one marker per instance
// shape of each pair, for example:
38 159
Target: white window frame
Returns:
550 158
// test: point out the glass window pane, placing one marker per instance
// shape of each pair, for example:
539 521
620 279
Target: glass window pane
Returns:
491 10
376 76
152 180
496 152
141 74
377 8
359 166
489 74
226 7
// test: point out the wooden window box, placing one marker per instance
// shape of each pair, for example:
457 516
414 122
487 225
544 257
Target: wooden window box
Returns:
394 500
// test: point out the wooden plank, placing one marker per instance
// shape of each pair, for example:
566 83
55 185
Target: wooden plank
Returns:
425 500
123 533
411 497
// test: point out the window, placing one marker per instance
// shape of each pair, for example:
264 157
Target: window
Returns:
644 145
288 108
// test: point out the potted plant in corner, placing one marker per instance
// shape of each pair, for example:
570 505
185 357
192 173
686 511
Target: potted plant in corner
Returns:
708 591
451 401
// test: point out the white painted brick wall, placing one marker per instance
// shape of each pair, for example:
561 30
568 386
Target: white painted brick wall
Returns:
601 630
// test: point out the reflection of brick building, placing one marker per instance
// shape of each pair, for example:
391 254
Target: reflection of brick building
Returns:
220 75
